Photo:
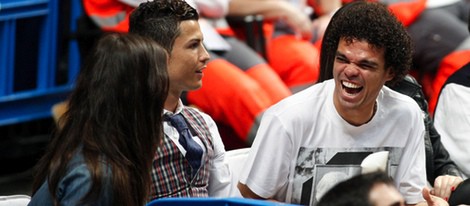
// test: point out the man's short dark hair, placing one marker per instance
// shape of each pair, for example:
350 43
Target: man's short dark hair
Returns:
160 20
355 191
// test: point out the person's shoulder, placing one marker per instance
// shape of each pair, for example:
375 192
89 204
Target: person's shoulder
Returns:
194 110
310 95
76 181
310 99
460 77
198 112
397 101
408 86
396 97
77 166
77 160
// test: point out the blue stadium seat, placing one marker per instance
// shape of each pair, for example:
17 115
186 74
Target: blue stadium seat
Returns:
213 202
29 34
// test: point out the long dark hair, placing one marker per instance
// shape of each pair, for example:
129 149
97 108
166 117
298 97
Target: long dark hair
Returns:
114 114
371 22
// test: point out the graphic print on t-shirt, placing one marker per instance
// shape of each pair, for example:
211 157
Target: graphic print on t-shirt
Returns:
318 169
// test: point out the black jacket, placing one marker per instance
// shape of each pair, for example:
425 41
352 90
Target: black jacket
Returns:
438 161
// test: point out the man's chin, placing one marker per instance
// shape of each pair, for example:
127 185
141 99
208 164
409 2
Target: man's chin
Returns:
195 87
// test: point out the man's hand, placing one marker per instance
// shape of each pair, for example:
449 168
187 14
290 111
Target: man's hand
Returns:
432 200
297 20
444 185
319 26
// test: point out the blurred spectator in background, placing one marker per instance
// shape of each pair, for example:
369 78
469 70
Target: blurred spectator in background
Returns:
370 189
288 31
452 117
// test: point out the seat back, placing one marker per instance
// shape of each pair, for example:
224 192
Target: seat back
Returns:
197 201
14 200
235 159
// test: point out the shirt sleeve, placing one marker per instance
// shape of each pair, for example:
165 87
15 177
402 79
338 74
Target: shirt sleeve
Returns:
220 175
412 175
76 184
267 168
452 120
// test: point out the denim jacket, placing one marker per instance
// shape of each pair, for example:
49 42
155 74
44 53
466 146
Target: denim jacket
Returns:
73 186
438 161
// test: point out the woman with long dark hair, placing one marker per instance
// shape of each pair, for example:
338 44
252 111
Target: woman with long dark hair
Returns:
102 153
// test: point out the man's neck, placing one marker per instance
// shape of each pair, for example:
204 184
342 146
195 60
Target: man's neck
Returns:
171 102
358 117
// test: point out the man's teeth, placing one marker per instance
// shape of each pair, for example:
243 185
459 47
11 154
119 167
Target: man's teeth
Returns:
350 85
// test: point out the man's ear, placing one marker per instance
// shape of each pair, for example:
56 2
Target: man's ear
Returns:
390 74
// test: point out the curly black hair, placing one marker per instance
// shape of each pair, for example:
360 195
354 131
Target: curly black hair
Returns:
371 22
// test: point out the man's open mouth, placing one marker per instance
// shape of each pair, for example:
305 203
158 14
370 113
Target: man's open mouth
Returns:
351 88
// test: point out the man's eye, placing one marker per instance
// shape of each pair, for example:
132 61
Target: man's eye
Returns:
194 45
367 66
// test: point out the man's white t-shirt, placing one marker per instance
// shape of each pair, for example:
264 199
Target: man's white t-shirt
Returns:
303 146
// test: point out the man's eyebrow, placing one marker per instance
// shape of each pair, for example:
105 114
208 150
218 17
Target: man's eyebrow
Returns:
196 39
193 41
363 61
369 63
338 53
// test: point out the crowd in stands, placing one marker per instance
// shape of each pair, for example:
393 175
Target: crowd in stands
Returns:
169 87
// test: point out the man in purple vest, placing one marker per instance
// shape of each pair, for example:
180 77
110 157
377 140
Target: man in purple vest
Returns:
190 159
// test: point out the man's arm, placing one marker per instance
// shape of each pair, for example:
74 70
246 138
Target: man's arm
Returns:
441 171
246 192
274 10
443 165
323 7
211 8
220 178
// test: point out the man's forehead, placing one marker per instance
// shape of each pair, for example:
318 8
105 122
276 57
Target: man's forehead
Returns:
188 28
383 194
351 40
